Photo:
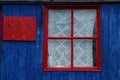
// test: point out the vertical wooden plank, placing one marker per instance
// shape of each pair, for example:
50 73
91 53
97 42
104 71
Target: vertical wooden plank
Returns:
88 75
35 44
113 41
64 75
79 75
30 62
0 29
14 62
21 54
55 75
118 57
0 39
46 75
96 76
105 75
39 47
5 63
71 76
92 75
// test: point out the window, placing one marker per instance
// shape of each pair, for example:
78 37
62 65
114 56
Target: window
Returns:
72 38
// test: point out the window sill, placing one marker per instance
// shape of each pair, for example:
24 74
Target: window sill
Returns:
97 69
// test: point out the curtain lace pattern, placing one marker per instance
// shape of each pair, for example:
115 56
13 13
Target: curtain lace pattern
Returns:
60 50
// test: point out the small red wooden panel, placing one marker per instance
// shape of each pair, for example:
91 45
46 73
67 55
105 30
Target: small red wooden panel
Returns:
19 28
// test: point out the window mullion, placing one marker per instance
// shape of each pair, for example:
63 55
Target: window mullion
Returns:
72 32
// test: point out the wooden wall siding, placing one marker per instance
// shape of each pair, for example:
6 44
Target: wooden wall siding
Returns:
0 38
118 56
24 60
110 51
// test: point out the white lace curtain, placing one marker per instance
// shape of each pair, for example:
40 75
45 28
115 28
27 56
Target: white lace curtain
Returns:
60 25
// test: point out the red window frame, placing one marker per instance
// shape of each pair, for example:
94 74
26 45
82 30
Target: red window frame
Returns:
97 38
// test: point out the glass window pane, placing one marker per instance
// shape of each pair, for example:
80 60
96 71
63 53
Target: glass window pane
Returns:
84 53
59 22
59 53
84 22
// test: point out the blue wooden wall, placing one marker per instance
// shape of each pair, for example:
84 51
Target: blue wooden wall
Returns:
24 60
0 38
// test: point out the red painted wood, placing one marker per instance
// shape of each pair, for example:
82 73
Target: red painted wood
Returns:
46 39
98 55
72 42
97 38
72 69
81 6
72 37
19 28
